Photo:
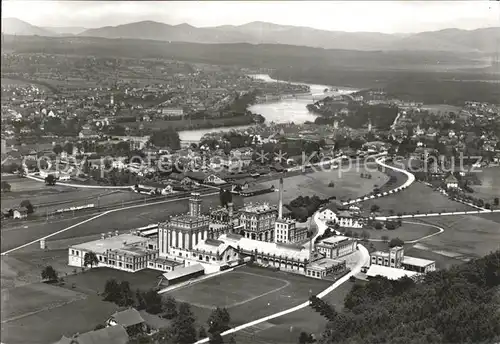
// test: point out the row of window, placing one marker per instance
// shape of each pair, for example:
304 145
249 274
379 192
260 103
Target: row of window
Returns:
314 273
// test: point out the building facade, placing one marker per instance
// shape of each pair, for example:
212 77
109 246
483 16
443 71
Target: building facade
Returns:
257 222
336 246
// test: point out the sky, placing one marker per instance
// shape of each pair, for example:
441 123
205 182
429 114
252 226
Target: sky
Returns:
371 16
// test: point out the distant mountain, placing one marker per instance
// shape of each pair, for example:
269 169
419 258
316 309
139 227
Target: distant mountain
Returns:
65 31
14 26
481 40
484 40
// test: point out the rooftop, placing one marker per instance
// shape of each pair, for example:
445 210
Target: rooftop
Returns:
324 263
266 247
128 317
115 242
259 208
417 261
334 240
183 271
380 253
388 272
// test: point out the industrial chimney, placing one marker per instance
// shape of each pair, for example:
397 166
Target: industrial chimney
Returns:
280 205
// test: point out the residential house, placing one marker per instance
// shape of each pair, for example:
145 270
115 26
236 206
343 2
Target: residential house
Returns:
128 319
20 213
451 182
109 335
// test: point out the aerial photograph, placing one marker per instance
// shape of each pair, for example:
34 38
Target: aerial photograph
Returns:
250 172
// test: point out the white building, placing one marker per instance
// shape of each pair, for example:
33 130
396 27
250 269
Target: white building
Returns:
336 246
172 112
126 252
451 182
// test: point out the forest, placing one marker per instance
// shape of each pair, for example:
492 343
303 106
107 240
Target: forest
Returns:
458 305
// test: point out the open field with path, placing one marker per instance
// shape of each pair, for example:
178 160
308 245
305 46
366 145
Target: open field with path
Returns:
417 197
466 236
348 185
254 293
407 232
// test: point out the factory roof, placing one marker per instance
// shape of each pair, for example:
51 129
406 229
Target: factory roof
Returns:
417 261
334 240
121 241
184 271
388 272
266 247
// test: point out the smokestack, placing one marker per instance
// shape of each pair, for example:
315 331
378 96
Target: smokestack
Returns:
280 205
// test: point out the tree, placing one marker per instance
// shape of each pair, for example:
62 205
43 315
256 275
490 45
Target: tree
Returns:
183 330
90 258
305 338
27 204
166 138
390 225
99 326
5 186
49 274
496 202
385 238
374 208
322 307
57 149
396 242
365 235
68 148
170 308
331 184
378 226
202 333
216 338
218 320
50 180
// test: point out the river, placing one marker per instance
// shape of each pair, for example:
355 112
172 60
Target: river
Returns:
282 111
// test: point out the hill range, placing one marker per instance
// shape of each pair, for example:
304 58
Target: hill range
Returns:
486 40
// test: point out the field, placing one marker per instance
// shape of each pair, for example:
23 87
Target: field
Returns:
286 329
49 325
407 231
443 108
490 188
249 293
120 220
50 198
348 185
464 236
417 197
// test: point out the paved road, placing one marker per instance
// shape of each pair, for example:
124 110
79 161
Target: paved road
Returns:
468 212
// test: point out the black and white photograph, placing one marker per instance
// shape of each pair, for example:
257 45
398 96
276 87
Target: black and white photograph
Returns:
250 172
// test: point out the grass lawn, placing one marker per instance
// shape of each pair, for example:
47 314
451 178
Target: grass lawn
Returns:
348 185
228 290
48 326
442 108
284 290
120 220
32 298
93 280
407 231
465 236
286 329
417 197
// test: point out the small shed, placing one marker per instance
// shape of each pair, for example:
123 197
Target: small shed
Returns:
179 275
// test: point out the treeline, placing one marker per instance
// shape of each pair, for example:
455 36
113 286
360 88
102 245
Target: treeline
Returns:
304 207
459 305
